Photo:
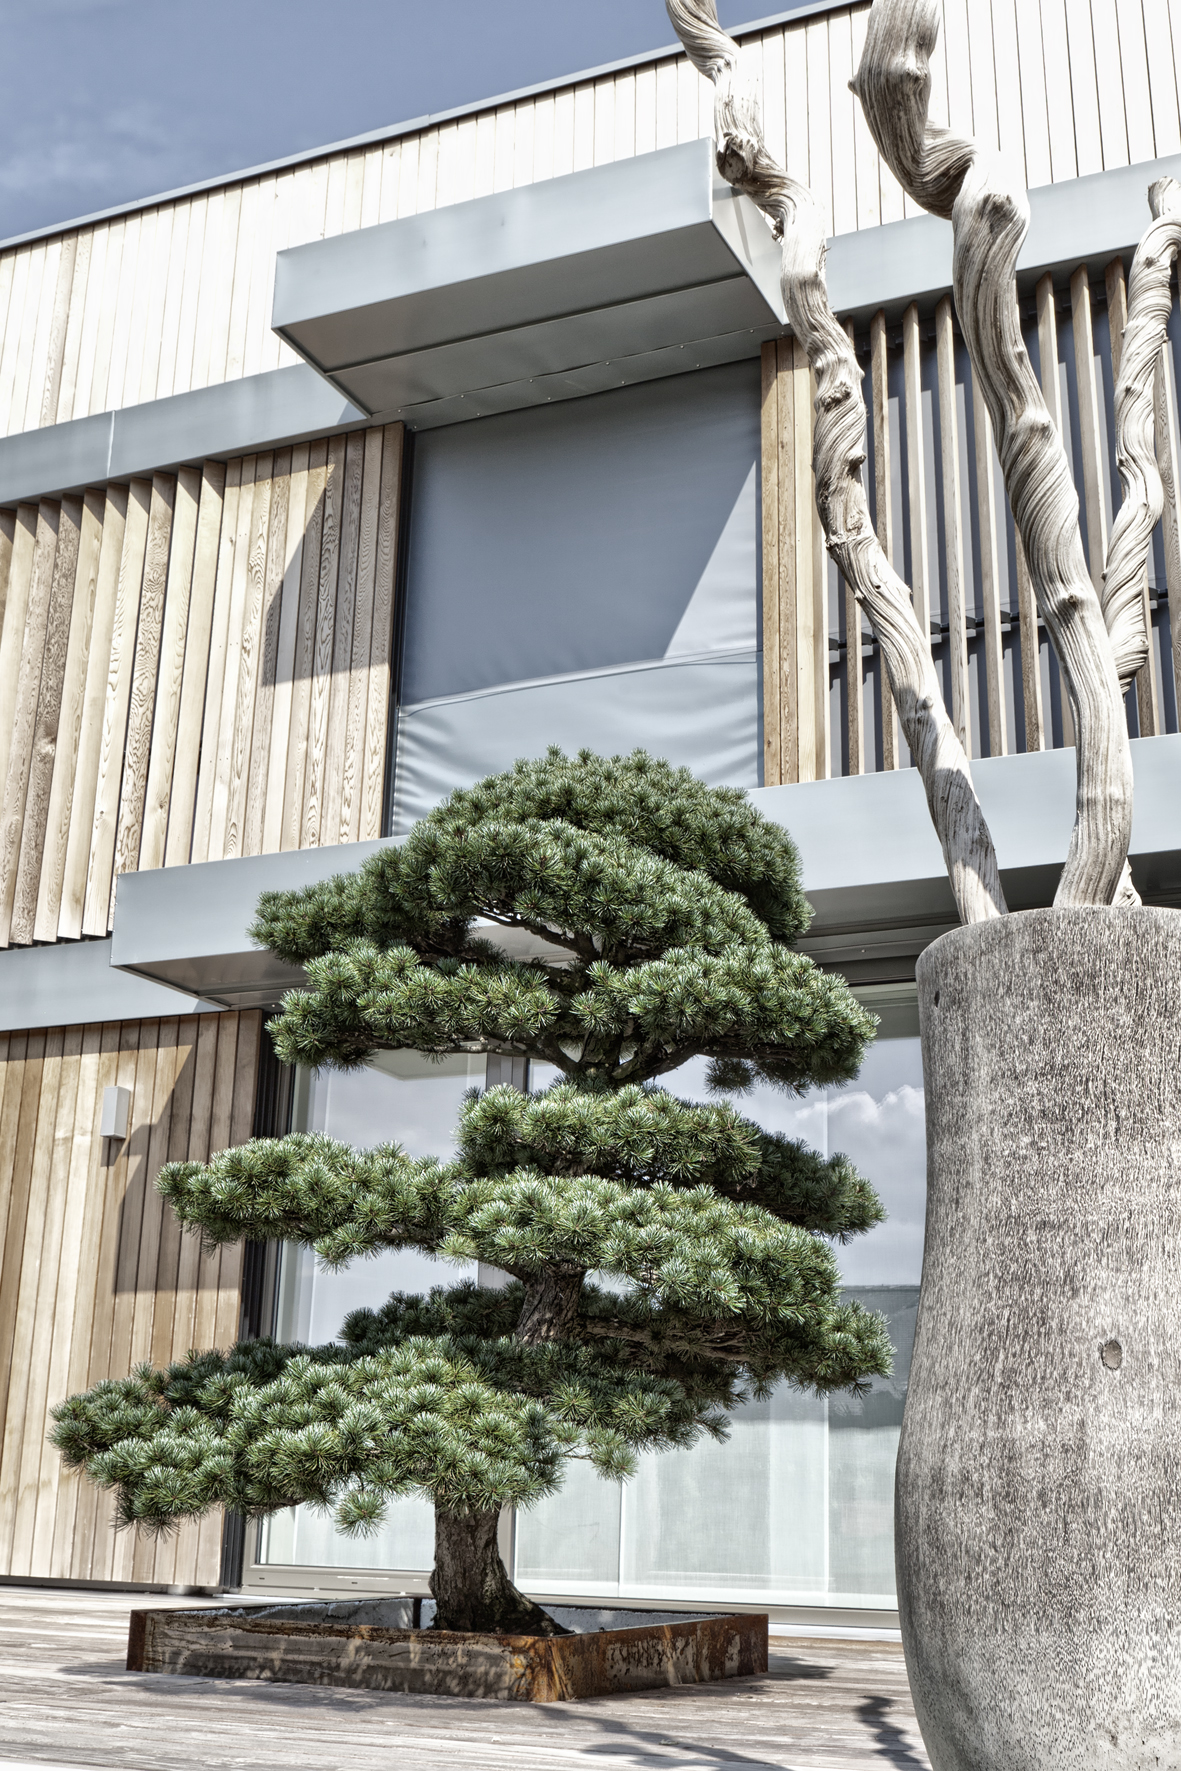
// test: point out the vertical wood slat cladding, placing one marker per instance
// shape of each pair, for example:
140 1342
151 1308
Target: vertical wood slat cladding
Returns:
193 667
177 297
95 1274
943 518
795 581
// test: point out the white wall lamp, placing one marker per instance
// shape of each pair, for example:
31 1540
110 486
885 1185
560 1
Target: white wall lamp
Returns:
116 1106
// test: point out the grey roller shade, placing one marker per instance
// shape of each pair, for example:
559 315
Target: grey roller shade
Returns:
586 574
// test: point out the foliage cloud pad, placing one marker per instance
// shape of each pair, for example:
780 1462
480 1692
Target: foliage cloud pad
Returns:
652 919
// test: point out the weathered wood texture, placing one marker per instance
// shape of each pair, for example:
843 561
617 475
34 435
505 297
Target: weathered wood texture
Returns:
795 580
95 1274
1038 1033
948 530
842 501
192 667
953 176
304 1645
62 1681
177 296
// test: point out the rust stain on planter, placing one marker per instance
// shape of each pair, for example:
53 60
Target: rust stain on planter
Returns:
527 1669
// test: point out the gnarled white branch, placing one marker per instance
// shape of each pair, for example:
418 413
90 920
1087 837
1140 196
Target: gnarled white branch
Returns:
1150 300
952 177
840 451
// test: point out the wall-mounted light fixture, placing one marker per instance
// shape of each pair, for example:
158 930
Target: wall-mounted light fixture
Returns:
116 1106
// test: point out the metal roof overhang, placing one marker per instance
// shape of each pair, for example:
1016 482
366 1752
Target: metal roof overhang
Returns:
593 280
871 861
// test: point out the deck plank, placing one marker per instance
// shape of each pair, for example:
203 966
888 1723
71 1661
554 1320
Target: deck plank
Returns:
825 1705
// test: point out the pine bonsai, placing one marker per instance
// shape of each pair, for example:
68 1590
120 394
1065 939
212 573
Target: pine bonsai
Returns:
669 910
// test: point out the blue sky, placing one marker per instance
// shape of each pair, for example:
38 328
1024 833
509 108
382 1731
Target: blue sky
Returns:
109 100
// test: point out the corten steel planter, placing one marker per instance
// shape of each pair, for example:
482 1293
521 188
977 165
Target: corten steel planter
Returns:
371 1643
1039 1473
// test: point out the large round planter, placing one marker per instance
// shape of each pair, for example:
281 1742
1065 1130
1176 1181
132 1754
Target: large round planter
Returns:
1039 1474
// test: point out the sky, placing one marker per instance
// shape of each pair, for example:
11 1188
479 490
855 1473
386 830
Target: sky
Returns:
110 100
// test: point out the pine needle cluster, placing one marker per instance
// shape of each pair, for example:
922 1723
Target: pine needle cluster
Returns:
667 1260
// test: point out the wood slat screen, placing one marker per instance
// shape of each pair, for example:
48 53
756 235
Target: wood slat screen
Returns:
942 515
95 1273
193 667
178 296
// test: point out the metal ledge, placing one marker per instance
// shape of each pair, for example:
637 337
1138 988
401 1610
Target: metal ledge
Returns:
874 872
186 927
872 868
1083 220
607 265
72 984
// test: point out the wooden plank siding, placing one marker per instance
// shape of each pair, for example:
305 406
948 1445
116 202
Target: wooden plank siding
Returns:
218 683
176 296
193 667
95 1273
944 520
795 617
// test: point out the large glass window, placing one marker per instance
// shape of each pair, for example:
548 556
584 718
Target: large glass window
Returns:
400 1096
797 1506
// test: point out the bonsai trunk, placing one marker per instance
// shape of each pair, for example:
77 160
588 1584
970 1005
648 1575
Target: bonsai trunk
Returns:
1038 1498
470 1583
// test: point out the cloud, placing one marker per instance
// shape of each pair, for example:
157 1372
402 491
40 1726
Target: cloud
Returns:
78 161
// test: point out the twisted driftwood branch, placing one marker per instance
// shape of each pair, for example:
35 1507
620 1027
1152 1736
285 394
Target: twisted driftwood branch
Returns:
952 177
839 454
1150 301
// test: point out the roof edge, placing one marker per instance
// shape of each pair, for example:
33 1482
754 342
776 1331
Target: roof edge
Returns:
413 126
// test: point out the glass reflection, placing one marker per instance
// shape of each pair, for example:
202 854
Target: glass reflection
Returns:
405 1097
797 1506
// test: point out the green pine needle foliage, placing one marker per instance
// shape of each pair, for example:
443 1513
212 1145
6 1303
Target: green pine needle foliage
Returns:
677 1257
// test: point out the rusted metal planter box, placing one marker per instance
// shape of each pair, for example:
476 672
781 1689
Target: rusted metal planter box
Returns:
372 1643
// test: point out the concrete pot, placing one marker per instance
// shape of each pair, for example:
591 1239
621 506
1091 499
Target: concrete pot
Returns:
380 1645
1038 1504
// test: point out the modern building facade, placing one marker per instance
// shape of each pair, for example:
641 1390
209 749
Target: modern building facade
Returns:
335 484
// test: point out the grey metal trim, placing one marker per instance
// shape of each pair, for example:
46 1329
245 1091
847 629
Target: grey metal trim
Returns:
1091 218
609 264
394 131
872 869
186 927
874 873
1079 221
1084 220
73 985
59 458
233 418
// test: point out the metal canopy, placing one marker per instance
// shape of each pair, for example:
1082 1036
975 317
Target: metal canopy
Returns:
619 274
871 867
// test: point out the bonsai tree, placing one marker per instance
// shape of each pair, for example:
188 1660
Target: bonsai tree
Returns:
663 914
1037 1488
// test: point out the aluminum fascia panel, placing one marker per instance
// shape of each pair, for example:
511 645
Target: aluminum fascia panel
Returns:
567 252
870 859
574 383
605 336
188 927
73 984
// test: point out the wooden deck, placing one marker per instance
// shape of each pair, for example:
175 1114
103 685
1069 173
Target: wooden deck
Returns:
66 1701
